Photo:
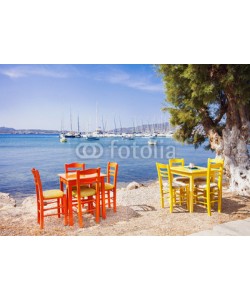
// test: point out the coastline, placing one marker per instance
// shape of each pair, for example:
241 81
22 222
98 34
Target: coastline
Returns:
138 214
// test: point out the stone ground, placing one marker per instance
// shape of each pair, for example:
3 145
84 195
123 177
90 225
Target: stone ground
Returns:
138 214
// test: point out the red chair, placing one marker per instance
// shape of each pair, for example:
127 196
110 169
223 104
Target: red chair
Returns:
50 200
85 196
110 185
73 167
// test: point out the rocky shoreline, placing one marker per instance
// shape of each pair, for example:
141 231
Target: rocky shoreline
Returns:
138 213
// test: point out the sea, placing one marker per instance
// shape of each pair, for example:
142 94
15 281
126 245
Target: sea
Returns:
136 159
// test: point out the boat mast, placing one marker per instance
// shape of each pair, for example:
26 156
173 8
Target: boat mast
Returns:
70 120
120 125
115 125
78 125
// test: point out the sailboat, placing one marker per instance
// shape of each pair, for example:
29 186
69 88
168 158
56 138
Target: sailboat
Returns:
78 133
62 134
71 133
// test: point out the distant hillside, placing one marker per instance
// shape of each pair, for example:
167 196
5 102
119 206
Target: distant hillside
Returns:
7 130
157 127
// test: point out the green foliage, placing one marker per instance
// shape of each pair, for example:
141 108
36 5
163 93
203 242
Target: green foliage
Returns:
197 95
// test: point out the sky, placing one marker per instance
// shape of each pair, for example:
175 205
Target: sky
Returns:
42 96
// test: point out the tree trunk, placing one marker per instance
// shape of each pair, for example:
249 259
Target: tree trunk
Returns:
235 149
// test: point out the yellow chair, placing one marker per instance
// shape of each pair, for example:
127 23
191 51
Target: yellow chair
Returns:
175 162
176 192
210 192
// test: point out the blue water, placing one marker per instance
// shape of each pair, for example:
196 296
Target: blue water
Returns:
20 153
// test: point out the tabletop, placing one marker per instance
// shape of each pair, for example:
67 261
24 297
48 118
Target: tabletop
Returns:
72 176
189 171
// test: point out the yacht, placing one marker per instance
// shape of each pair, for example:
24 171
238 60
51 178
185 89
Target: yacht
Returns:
91 137
152 142
128 136
70 134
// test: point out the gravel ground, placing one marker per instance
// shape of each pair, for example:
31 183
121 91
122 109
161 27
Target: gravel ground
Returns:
138 214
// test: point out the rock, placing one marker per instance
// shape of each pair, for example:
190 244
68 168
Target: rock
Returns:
6 201
133 185
29 204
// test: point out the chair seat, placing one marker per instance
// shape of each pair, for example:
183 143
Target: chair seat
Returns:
204 186
181 180
85 192
186 180
108 186
74 188
175 185
52 194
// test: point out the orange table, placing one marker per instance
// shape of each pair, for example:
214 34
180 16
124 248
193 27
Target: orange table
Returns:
69 180
191 174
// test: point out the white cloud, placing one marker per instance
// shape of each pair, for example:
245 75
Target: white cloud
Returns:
25 71
142 82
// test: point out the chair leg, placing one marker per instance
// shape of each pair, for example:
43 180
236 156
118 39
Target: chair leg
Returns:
41 216
162 200
65 209
38 212
171 200
79 208
109 206
219 200
114 200
59 201
208 204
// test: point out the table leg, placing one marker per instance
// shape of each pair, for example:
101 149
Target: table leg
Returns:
65 204
70 210
103 199
191 194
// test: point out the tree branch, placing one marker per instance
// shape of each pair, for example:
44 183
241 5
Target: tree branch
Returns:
223 108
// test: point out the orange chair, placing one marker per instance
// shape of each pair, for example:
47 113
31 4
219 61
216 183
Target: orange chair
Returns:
50 200
73 167
110 185
84 195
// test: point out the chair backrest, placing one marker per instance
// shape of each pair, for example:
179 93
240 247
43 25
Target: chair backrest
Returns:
176 162
215 171
38 184
164 174
112 170
73 167
88 176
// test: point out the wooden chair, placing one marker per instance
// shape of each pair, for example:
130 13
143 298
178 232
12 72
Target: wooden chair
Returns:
210 192
110 186
177 192
175 162
49 200
86 196
73 167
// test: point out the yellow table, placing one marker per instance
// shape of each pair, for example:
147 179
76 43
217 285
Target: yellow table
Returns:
185 171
